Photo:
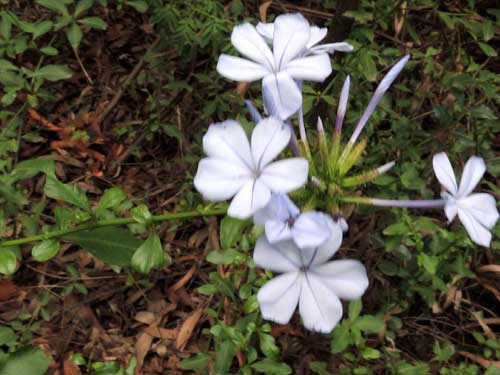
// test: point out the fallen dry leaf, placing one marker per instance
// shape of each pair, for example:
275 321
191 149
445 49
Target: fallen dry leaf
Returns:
142 347
183 281
7 290
162 333
71 368
187 329
480 360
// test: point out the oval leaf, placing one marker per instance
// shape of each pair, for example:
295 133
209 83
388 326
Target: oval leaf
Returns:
149 255
45 250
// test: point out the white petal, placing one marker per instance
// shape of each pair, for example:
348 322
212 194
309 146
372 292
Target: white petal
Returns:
476 231
269 138
482 207
286 175
311 229
324 252
343 224
228 140
444 172
346 278
473 172
253 196
291 34
219 179
277 231
316 35
320 309
266 30
331 48
239 69
310 68
450 207
278 298
282 258
251 45
280 208
282 91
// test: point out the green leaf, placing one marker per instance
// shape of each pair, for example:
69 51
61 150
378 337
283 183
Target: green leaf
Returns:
229 256
268 366
8 261
141 214
368 67
55 5
224 357
41 28
94 22
30 168
354 309
268 346
74 35
370 353
49 51
5 26
319 368
197 363
52 72
82 6
112 245
7 65
7 337
230 231
140 6
340 338
488 50
111 198
369 324
27 360
68 193
149 255
429 262
45 250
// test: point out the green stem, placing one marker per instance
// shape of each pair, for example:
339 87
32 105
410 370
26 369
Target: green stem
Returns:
111 222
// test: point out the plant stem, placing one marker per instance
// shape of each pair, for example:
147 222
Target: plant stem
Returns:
111 222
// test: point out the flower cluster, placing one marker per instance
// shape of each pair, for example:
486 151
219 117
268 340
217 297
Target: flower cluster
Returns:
257 176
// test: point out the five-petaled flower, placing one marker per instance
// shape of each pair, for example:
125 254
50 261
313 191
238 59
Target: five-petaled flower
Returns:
477 212
236 168
309 280
283 221
280 67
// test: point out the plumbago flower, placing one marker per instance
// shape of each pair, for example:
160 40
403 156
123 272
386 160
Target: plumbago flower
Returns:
309 280
280 68
283 221
312 48
234 168
477 212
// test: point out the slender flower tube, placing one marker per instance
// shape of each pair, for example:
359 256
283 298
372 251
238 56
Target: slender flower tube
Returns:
309 280
236 168
477 212
279 69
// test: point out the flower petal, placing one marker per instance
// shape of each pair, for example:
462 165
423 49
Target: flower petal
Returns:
482 207
239 69
473 172
450 206
320 309
278 298
266 30
331 48
253 196
269 138
311 229
280 90
310 68
346 278
280 208
316 35
277 231
444 172
277 258
291 34
286 175
324 252
476 231
250 44
227 140
219 179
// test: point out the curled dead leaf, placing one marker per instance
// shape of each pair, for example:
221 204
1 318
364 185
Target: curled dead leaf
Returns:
187 329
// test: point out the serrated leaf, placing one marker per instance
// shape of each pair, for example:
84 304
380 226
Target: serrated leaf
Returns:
27 360
112 245
45 250
66 192
52 72
74 35
94 22
149 255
